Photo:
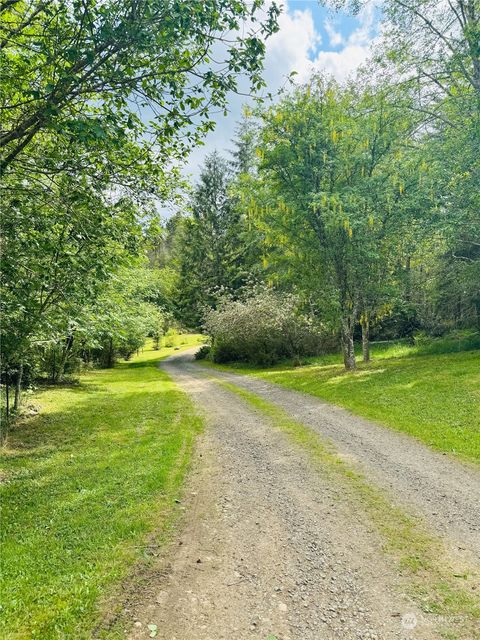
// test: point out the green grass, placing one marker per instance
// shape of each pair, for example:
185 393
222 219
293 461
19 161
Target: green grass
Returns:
175 340
438 587
87 483
435 397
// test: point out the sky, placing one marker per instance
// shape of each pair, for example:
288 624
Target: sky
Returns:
337 43
311 37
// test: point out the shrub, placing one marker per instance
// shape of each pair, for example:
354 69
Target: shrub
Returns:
171 338
262 329
156 336
203 352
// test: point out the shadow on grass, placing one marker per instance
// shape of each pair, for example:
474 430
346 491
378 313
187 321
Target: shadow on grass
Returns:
142 364
66 426
86 437
95 475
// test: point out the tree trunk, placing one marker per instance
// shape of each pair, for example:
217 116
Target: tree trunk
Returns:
63 358
365 322
7 397
53 371
408 276
348 345
110 361
4 420
18 388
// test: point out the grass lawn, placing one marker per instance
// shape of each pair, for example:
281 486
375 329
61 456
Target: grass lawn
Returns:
434 397
84 484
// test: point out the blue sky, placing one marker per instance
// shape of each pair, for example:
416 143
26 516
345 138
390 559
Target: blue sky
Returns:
343 23
311 37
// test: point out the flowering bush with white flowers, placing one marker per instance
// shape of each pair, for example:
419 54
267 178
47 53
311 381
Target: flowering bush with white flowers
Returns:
263 329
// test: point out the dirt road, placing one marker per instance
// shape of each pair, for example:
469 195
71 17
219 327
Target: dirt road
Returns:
445 492
270 549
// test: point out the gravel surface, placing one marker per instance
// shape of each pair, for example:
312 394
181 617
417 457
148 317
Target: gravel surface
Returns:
269 548
445 492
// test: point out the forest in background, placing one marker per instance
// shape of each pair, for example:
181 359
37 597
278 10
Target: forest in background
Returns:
344 211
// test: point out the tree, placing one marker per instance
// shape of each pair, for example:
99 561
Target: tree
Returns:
432 50
213 254
335 159
454 154
56 258
122 316
115 325
435 44
129 70
244 145
100 100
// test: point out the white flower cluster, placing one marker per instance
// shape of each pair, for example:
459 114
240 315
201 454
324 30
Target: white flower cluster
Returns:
262 329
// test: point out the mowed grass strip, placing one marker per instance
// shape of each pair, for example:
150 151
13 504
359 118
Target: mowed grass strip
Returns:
85 483
434 397
446 593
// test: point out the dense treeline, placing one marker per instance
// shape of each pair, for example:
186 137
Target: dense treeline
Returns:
363 199
100 101
353 208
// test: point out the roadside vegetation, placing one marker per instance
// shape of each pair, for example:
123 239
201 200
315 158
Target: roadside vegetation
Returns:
349 209
262 329
88 478
346 212
431 579
97 116
430 391
359 198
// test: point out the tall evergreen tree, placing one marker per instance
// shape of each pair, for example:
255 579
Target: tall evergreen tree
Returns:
245 142
211 251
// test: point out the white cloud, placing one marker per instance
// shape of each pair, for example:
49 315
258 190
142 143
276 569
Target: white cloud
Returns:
335 38
364 34
356 50
295 47
291 47
342 64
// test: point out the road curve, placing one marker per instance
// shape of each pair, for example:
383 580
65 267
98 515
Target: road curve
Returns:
270 548
445 492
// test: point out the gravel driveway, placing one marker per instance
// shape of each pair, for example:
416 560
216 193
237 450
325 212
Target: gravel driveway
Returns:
442 490
269 549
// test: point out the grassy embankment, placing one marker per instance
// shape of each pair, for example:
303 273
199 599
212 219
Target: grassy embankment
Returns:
431 392
86 483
